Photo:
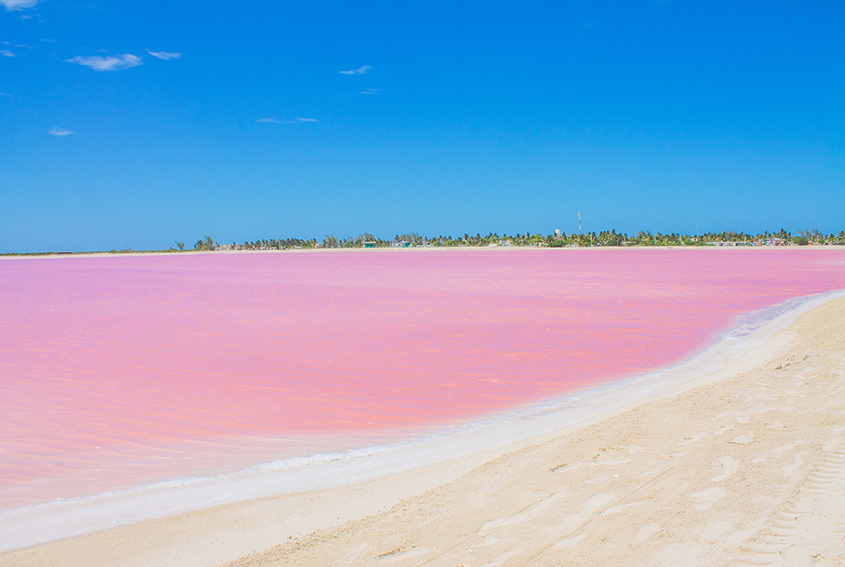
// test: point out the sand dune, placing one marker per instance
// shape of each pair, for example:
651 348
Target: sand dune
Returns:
743 466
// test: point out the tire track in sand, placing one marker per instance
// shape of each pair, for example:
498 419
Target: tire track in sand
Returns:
810 529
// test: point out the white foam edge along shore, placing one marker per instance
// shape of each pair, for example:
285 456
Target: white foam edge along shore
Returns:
484 439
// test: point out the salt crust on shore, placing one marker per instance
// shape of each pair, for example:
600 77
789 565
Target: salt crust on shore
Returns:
742 465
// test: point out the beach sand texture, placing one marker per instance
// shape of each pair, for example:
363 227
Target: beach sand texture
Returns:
742 466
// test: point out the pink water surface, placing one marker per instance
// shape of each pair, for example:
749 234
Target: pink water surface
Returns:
120 370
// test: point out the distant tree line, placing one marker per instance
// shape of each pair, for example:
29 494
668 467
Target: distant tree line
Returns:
556 240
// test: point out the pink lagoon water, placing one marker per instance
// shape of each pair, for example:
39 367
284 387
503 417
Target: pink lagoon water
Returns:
124 370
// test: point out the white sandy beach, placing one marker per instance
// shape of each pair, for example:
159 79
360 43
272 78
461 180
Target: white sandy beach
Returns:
744 465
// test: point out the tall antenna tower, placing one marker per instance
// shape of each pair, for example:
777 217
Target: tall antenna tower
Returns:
579 223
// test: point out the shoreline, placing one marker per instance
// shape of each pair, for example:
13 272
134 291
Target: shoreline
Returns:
392 484
107 254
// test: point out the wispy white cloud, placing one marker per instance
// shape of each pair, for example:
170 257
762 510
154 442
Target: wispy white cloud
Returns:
371 91
358 71
110 63
295 120
164 55
14 5
60 132
6 52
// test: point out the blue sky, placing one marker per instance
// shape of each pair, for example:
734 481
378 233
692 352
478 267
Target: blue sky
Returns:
135 124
